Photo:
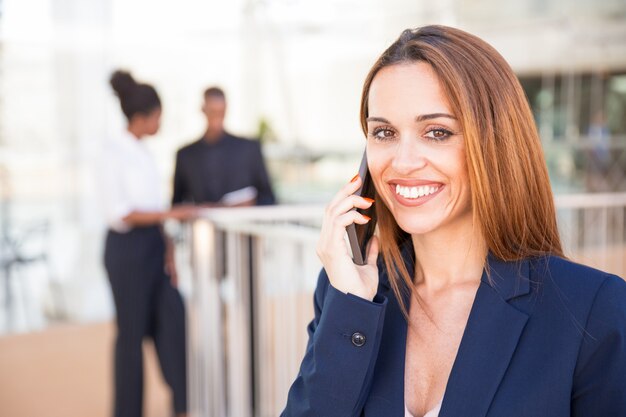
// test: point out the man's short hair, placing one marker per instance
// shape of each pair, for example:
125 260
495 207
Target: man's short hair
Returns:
214 92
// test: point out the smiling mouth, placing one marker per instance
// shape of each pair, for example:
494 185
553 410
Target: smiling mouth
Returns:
413 193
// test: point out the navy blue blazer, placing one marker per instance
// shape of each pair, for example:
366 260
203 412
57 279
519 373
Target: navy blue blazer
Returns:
545 338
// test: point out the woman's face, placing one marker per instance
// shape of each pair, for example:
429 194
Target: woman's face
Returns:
152 121
416 150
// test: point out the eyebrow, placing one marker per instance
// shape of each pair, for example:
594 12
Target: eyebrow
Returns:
420 118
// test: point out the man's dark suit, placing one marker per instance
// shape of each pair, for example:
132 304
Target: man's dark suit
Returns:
205 171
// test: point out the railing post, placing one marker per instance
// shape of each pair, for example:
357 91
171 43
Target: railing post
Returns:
238 327
207 378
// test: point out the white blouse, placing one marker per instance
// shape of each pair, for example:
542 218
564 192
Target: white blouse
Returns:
129 180
432 413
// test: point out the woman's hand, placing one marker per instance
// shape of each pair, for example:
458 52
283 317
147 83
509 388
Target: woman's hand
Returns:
343 273
183 212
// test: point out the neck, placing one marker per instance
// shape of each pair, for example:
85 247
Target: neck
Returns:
449 257
211 136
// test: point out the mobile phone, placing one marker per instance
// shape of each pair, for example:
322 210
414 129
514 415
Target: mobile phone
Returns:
359 235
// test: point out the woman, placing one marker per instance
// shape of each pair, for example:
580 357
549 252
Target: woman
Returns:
138 258
471 309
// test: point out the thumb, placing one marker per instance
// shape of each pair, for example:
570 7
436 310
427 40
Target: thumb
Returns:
372 251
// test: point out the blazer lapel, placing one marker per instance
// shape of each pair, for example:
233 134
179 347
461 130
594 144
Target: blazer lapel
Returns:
489 341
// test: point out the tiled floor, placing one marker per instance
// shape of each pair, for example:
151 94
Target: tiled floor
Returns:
65 371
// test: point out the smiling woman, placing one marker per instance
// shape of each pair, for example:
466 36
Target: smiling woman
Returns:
466 305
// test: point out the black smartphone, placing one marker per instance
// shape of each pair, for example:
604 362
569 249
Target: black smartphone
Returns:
359 235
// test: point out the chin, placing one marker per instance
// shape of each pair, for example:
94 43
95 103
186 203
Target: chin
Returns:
416 224
417 227
426 223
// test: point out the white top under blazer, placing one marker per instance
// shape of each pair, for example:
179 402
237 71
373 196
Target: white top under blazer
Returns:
129 180
432 413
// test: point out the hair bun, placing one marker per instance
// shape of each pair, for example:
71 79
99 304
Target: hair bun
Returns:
122 83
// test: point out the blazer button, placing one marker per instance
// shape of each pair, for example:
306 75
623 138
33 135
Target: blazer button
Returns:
358 339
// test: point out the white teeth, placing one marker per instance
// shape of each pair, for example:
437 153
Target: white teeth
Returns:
415 192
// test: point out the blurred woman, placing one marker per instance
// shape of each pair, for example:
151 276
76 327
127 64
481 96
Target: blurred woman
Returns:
138 256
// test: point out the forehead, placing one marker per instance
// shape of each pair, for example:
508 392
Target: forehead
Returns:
407 89
214 101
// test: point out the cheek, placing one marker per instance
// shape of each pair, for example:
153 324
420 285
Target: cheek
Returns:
450 163
459 179
156 123
377 162
459 165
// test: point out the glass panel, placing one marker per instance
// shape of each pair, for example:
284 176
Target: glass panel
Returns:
580 117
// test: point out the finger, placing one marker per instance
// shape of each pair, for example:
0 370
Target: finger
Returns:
348 189
346 219
372 251
334 230
337 233
349 203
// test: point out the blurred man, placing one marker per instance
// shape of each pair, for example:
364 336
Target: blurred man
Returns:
220 169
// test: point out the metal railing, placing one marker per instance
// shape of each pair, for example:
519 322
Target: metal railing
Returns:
593 229
253 274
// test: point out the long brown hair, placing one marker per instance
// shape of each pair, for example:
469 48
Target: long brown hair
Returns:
512 202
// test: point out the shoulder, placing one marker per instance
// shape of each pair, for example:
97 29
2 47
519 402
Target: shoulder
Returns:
571 276
610 302
115 149
600 383
188 148
582 288
243 143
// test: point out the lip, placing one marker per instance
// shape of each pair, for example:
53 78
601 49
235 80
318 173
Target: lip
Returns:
413 202
413 182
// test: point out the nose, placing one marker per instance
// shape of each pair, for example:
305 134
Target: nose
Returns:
409 156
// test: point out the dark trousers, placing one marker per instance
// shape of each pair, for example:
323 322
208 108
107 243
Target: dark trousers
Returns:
147 306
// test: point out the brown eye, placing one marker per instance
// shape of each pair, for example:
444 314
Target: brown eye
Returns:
382 134
438 134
